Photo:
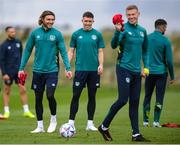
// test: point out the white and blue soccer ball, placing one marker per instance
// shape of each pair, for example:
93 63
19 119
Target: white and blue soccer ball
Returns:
67 130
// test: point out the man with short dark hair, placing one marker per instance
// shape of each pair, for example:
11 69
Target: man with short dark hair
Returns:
10 58
88 44
160 62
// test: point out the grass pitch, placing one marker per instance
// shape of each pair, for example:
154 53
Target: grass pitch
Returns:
16 129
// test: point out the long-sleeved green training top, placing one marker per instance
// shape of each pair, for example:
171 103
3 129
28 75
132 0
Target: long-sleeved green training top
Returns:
133 44
48 44
161 57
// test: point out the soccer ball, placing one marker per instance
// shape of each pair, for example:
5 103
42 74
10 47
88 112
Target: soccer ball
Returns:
67 130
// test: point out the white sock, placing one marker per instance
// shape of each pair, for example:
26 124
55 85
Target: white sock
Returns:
104 128
25 108
90 122
6 108
71 122
53 118
40 124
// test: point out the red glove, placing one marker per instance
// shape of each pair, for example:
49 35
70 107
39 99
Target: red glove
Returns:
22 78
117 19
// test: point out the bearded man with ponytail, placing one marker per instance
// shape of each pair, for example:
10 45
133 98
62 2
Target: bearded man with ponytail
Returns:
48 43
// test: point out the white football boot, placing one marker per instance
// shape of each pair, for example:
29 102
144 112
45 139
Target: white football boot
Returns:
156 124
52 127
38 130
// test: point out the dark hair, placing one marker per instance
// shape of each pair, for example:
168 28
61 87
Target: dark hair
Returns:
160 22
8 27
131 7
88 14
43 15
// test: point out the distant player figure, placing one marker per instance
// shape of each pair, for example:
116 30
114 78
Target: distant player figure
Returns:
160 62
132 40
10 58
87 43
48 43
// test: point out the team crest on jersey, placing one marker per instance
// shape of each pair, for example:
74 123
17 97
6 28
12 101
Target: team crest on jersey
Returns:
80 37
142 34
130 33
17 45
127 80
94 37
52 37
9 47
37 36
34 86
77 84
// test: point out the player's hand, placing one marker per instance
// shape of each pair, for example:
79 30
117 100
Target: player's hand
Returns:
21 73
6 77
118 27
145 72
100 69
171 81
68 74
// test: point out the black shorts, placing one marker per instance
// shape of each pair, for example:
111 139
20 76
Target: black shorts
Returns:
40 80
91 78
12 78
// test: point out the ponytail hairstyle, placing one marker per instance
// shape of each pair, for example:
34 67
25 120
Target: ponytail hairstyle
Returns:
43 15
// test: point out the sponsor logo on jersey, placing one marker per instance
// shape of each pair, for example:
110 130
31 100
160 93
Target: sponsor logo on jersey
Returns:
17 45
34 86
94 37
130 33
53 84
52 37
127 80
80 37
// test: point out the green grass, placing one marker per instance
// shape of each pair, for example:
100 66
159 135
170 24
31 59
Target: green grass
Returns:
16 130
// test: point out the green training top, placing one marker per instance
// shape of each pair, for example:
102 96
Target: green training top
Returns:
47 44
133 45
161 57
86 44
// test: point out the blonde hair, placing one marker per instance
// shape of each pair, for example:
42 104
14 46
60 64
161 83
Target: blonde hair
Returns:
43 15
130 7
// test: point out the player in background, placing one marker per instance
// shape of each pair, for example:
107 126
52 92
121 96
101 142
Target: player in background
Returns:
48 43
88 45
10 58
161 62
132 40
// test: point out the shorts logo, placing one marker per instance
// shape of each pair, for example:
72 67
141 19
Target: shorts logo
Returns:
9 47
52 37
77 84
127 80
94 37
97 84
17 45
142 34
35 86
53 85
80 37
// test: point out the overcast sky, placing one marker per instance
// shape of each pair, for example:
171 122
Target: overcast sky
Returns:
26 12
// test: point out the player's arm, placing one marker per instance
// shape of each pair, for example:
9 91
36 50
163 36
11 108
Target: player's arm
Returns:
101 60
2 59
169 60
145 55
71 54
27 51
